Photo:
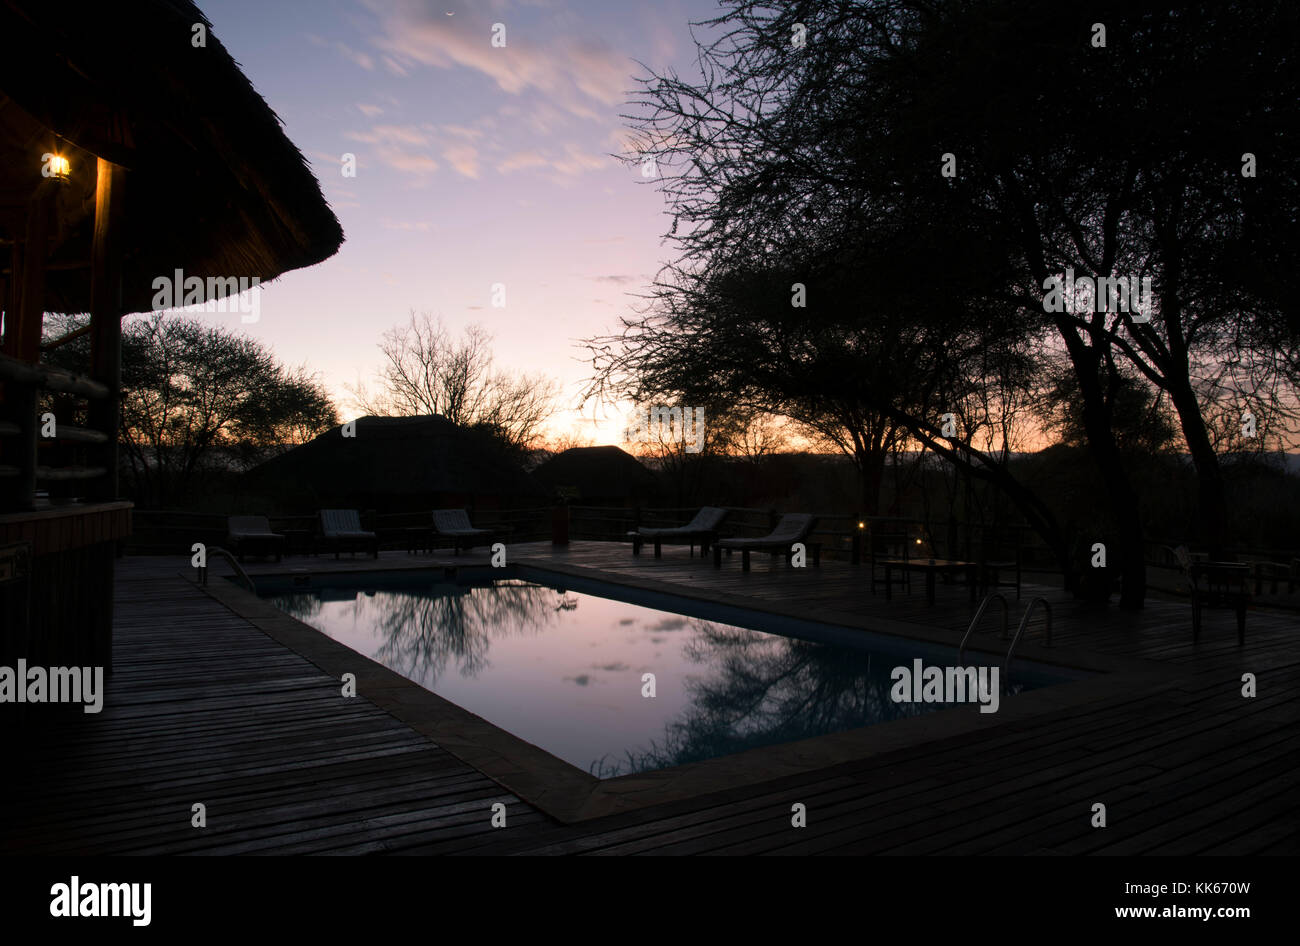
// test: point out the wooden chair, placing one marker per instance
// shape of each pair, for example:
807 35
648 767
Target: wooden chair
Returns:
1219 585
881 545
997 556
1214 585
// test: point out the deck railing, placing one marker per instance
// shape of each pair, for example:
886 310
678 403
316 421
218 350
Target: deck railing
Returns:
842 535
170 531
845 536
24 433
1272 571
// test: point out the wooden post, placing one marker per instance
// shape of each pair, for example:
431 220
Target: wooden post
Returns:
11 491
13 295
31 280
106 317
22 398
23 322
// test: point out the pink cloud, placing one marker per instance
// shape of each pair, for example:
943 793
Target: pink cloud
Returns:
520 160
571 72
364 60
391 134
464 158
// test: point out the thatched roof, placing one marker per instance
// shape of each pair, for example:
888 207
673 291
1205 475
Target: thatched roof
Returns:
597 473
395 462
214 188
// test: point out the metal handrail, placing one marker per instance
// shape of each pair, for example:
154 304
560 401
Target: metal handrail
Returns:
1001 599
1024 622
203 572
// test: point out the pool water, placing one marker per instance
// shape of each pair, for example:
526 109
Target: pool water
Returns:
563 669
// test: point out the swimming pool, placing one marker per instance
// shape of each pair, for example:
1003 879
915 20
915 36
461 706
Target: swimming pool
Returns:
562 663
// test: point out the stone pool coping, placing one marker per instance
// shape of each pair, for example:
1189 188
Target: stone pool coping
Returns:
571 795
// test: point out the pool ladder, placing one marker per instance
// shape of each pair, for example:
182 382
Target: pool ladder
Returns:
218 550
1024 623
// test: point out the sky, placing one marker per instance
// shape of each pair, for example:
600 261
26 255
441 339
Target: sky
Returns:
475 165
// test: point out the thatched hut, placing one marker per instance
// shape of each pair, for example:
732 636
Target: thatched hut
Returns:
132 149
395 464
598 476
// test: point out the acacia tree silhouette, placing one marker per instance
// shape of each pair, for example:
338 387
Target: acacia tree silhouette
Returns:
1061 152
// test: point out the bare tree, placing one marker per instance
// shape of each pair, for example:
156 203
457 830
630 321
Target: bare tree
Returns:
427 371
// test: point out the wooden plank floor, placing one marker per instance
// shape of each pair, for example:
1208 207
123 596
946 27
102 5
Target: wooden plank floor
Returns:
204 707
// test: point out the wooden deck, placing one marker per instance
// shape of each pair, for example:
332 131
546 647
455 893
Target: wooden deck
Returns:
203 707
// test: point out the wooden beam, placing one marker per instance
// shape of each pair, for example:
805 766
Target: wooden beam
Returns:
52 379
106 316
71 336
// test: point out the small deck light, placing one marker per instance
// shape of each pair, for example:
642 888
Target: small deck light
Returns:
57 167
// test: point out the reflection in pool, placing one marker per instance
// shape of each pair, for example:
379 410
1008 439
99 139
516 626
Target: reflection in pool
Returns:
565 670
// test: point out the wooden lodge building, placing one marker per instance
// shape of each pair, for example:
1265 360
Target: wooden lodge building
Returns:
131 146
394 465
599 476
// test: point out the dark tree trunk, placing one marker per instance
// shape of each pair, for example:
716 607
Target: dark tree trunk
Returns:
871 477
1120 494
1212 501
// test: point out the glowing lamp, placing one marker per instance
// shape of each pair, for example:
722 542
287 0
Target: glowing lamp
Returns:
59 168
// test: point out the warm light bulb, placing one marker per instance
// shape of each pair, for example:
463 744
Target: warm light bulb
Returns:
59 167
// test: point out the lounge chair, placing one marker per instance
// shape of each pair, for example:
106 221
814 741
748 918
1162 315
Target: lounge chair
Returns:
252 535
794 527
702 529
454 524
341 530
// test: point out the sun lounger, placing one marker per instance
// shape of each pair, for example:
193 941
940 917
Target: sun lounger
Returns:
341 530
793 528
702 529
252 535
454 524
